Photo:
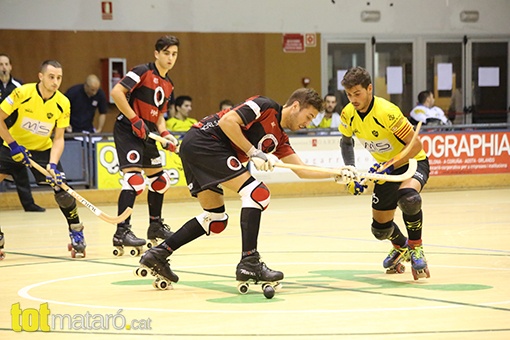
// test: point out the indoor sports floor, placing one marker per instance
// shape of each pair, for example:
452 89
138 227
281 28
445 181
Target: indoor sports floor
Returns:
334 285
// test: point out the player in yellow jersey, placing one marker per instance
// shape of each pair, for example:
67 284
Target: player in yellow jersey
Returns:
42 110
383 130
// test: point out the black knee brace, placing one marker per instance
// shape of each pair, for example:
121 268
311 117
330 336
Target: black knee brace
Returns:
409 201
64 200
382 231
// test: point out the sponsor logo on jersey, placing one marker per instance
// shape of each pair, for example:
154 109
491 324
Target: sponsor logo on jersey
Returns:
156 161
37 127
375 133
49 115
133 156
268 143
380 146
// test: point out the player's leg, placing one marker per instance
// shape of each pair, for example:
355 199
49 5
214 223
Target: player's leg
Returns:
130 155
410 203
66 203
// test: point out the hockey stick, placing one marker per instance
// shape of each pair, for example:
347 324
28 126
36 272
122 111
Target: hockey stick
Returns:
413 165
90 206
162 140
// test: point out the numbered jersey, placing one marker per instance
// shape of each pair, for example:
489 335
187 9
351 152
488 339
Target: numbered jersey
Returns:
148 91
36 117
381 131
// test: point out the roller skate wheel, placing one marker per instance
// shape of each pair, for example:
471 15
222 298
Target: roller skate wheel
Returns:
135 252
141 272
118 252
2 255
420 274
243 287
154 284
268 291
149 245
161 284
69 247
73 253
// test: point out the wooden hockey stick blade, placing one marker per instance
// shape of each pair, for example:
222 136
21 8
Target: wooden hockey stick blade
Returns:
105 217
413 165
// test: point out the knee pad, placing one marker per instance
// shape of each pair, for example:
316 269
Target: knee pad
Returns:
382 231
134 181
255 195
159 182
213 222
409 201
64 200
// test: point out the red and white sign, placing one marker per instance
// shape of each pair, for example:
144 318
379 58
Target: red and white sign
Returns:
106 10
466 153
294 42
310 40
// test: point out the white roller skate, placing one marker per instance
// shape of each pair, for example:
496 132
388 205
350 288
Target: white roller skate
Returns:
155 262
157 232
393 262
250 269
77 245
124 237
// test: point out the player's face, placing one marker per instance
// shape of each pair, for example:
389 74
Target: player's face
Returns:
330 104
51 79
5 66
360 97
166 58
302 117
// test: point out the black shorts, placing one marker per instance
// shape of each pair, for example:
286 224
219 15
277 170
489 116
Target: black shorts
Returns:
208 162
385 195
133 151
9 166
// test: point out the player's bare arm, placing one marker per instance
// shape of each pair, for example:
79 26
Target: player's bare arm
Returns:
119 97
231 124
4 131
58 146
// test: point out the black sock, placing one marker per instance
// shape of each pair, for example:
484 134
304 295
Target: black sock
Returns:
250 225
414 225
188 232
126 199
397 237
155 202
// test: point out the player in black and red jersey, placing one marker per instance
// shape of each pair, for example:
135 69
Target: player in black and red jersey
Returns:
212 153
142 98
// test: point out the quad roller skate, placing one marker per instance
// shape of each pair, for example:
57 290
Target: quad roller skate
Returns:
124 237
393 262
158 231
77 245
250 269
2 243
419 263
155 262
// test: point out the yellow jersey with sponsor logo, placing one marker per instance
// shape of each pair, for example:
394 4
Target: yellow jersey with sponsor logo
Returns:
36 117
381 131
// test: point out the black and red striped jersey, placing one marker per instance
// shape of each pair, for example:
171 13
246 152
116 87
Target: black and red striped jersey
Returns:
148 91
261 117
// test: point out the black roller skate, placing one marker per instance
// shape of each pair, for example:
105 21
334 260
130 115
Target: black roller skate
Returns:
155 262
250 269
158 231
419 262
124 237
393 262
2 243
77 245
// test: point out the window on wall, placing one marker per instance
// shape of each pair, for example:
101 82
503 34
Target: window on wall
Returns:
341 57
393 74
444 77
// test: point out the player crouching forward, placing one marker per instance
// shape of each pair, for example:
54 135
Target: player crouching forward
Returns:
213 152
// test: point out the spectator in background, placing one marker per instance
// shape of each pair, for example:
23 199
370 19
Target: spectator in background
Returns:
327 118
85 100
20 178
426 112
181 122
226 104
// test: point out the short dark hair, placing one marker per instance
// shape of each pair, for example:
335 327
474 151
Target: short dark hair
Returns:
181 99
165 42
329 95
356 76
423 95
226 102
47 63
306 97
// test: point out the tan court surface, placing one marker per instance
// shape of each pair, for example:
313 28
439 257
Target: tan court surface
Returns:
334 286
